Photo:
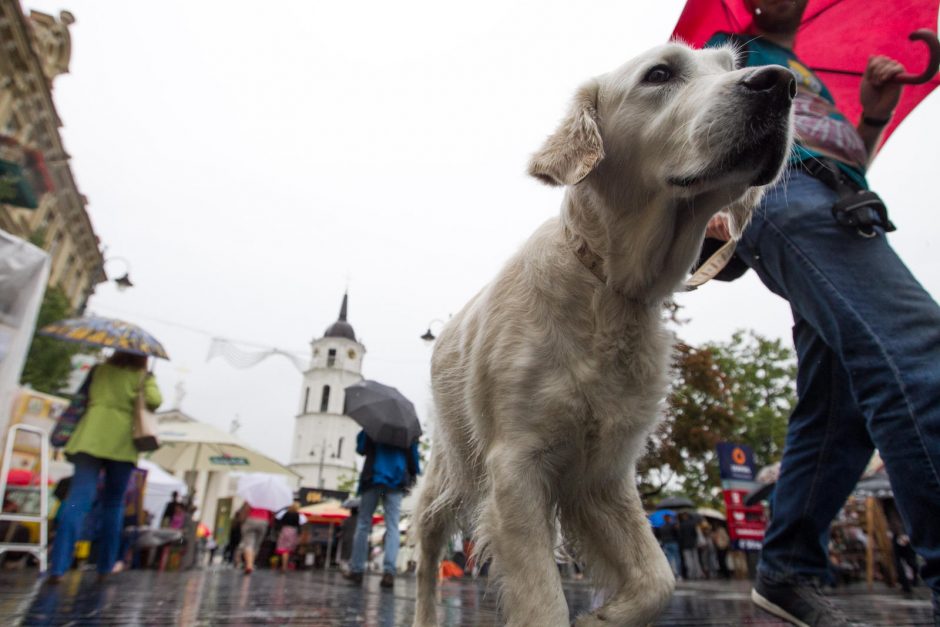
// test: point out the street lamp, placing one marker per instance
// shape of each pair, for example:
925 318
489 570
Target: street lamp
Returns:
122 282
429 337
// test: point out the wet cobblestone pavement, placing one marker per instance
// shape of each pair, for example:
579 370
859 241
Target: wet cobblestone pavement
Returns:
226 597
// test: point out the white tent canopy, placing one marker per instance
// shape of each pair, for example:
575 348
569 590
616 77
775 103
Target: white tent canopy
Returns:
159 489
192 445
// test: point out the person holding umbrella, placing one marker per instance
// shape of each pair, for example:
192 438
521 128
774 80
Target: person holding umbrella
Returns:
867 334
389 442
264 494
389 471
103 443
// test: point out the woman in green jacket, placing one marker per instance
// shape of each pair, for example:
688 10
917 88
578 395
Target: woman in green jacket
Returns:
103 440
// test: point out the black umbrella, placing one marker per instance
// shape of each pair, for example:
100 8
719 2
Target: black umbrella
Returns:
675 502
383 412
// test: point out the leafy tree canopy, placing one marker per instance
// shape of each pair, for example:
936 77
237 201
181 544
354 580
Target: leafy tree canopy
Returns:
49 362
741 391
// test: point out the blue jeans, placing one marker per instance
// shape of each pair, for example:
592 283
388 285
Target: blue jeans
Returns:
391 499
673 556
867 338
77 504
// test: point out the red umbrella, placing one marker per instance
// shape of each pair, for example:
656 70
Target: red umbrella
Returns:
835 40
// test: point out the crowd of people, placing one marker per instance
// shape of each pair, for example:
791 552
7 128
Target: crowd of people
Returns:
694 547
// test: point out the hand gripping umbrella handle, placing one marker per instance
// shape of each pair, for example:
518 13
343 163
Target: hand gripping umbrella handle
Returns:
933 60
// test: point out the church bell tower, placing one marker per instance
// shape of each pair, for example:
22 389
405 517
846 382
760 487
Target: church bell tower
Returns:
324 446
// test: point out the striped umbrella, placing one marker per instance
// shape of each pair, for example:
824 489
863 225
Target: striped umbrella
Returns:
106 333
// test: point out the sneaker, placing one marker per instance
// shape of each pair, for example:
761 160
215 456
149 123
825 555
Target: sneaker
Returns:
354 578
388 580
801 604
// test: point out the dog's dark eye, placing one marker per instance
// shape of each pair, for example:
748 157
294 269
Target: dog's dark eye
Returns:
658 75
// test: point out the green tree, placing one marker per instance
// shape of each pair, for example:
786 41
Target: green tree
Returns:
741 391
762 373
49 362
347 483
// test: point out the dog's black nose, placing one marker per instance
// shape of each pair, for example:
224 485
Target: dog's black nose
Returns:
771 78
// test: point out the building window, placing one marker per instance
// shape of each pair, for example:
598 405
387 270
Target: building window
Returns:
339 448
325 399
331 358
306 398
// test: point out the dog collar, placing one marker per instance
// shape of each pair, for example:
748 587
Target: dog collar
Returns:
586 255
705 272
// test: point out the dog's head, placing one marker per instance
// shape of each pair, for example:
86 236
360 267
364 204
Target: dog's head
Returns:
676 124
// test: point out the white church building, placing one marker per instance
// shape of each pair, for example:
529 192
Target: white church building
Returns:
323 451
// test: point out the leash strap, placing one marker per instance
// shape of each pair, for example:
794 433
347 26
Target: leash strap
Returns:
712 266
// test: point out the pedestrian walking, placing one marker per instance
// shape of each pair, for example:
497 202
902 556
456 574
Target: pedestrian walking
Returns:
289 534
707 553
103 444
347 537
867 334
254 526
388 472
669 539
722 542
232 547
170 510
688 544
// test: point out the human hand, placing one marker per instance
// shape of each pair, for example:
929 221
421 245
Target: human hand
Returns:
879 95
718 227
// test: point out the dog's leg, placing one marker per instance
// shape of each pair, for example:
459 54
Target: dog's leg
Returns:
434 523
518 528
617 543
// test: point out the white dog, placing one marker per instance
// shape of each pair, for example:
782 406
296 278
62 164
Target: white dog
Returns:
548 382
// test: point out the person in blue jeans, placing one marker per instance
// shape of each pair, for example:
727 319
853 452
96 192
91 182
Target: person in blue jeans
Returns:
867 335
388 472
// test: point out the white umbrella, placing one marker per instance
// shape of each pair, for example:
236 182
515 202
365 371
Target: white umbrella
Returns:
191 445
265 491
708 512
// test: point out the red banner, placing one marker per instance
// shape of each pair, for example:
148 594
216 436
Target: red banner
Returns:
746 524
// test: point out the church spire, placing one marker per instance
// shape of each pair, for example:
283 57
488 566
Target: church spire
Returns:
342 328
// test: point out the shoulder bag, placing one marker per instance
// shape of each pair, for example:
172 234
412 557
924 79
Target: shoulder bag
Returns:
145 423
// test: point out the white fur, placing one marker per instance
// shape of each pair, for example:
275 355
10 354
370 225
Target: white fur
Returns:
548 382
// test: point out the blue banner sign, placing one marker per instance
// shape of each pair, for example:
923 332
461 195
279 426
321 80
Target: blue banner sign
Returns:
736 461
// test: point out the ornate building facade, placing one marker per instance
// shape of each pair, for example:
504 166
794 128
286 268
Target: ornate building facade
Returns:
38 195
323 451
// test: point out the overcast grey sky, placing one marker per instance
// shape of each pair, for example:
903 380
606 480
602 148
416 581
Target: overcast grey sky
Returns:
249 159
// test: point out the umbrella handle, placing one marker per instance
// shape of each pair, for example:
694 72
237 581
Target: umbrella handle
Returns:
933 59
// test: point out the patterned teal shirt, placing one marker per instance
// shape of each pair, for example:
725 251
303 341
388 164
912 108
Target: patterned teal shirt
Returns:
821 130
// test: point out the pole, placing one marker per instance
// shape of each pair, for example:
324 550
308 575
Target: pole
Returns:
329 547
320 472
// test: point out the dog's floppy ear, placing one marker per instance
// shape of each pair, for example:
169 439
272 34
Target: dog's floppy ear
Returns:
571 152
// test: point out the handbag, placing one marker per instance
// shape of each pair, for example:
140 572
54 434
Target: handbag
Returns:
68 419
145 423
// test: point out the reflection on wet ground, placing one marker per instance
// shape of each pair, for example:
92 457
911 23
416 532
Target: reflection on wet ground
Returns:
226 597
